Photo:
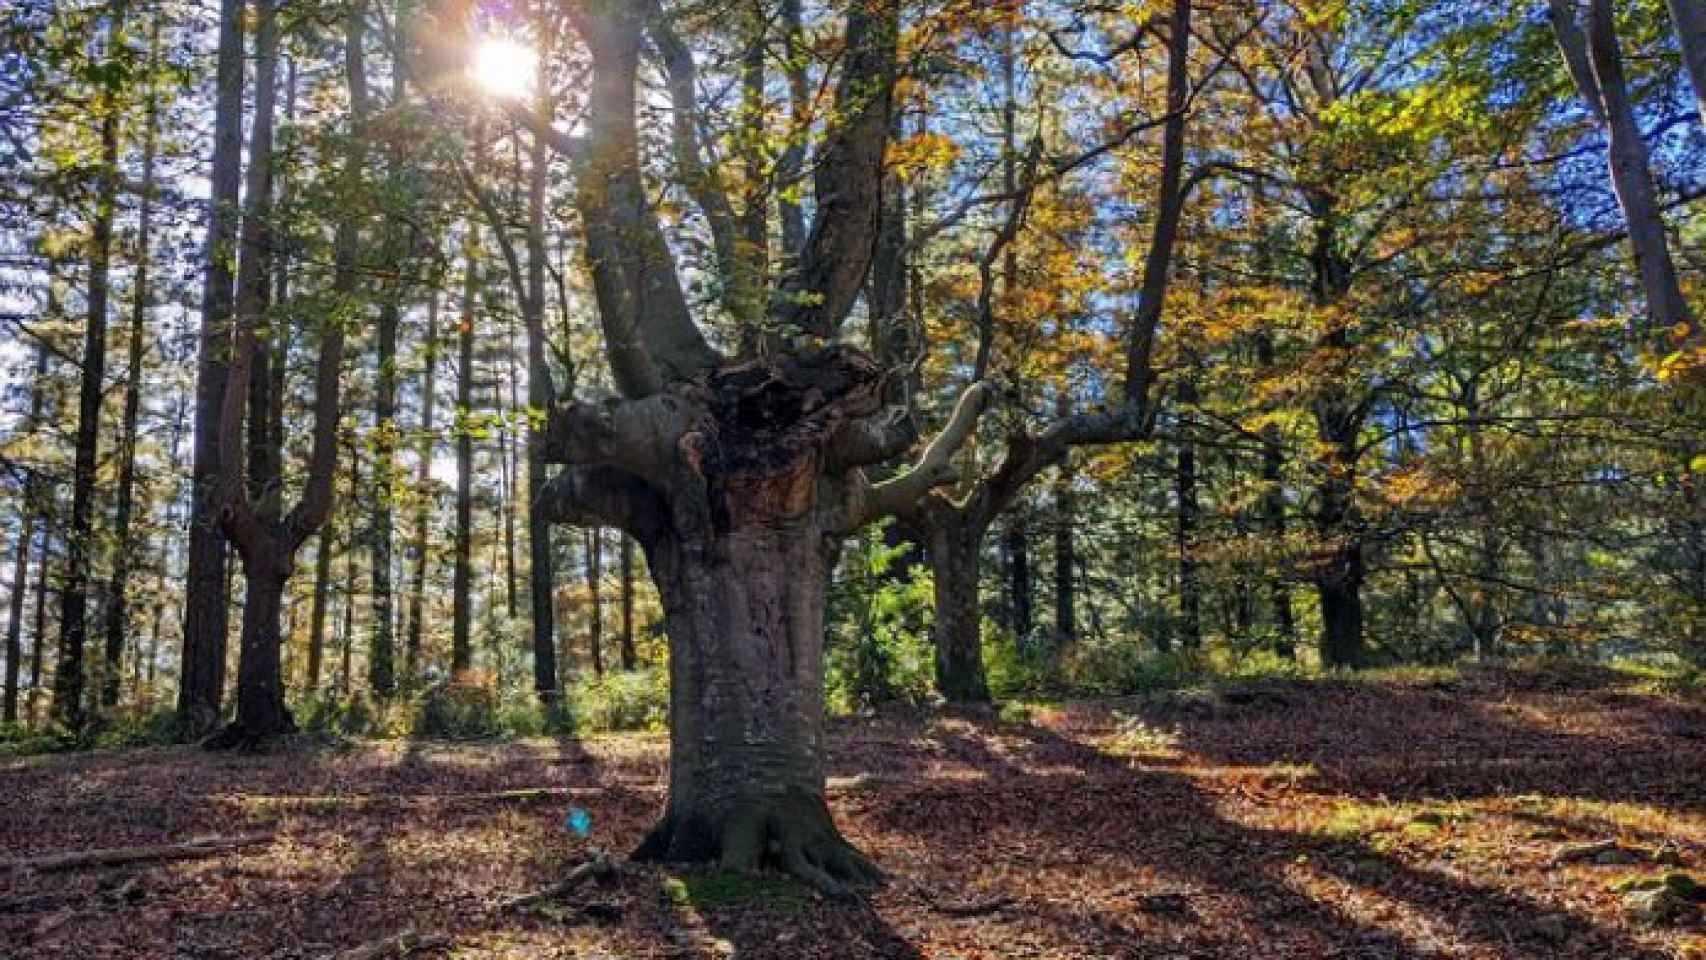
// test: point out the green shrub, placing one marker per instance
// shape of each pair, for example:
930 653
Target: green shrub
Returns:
622 700
465 707
877 625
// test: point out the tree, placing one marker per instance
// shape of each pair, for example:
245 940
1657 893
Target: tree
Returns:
738 477
266 538
1596 65
202 683
118 614
68 705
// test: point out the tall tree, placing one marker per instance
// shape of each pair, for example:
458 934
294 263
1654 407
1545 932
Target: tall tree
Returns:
27 510
267 540
118 598
68 701
462 605
202 683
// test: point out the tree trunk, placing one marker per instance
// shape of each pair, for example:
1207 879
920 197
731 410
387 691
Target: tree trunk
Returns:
1065 567
1185 483
346 643
595 591
201 686
461 604
15 612
38 633
1019 588
381 672
1338 580
118 600
423 500
746 781
27 509
68 705
317 616
954 542
261 712
1689 18
629 659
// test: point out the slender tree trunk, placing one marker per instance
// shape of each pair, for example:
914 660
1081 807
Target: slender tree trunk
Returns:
423 499
541 394
381 669
15 611
508 468
1065 566
201 686
595 590
38 633
462 650
1185 484
27 509
266 539
627 561
68 701
346 643
317 615
118 600
1020 589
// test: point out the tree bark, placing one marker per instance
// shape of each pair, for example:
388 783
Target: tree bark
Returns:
118 600
201 686
261 711
629 660
68 705
746 780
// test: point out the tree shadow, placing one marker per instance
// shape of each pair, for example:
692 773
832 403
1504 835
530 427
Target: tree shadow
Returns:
1241 884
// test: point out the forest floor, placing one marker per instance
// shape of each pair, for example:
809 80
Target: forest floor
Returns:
1435 816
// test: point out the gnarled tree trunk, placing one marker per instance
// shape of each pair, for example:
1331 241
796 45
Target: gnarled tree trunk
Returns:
745 619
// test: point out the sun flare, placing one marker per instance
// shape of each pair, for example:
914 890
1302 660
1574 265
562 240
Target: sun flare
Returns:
504 68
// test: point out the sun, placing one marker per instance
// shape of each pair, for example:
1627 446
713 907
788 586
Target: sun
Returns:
504 68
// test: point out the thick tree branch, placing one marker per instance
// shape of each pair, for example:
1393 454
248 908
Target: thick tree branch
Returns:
933 469
842 242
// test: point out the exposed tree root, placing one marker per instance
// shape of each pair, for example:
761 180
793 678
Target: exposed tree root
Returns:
793 833
600 867
192 850
239 738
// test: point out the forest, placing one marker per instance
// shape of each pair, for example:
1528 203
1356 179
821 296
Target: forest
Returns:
853 478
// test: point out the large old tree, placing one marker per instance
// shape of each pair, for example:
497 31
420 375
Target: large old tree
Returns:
740 473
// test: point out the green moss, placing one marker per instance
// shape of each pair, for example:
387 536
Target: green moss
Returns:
729 889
